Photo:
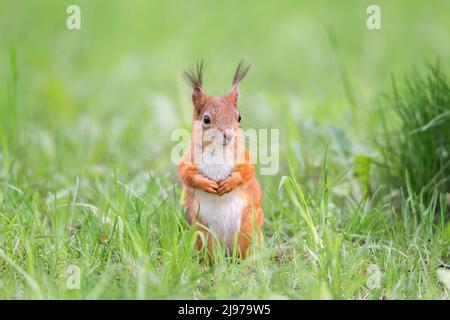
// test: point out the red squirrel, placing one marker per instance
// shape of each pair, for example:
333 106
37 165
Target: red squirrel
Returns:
223 196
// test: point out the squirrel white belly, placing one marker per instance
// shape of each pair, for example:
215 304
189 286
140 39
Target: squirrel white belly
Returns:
221 213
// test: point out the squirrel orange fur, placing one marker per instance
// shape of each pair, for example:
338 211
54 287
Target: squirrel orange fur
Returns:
223 197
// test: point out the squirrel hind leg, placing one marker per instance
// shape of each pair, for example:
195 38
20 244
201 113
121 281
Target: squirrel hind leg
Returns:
251 218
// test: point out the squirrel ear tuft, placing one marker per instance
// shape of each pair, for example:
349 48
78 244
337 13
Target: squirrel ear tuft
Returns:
194 79
241 71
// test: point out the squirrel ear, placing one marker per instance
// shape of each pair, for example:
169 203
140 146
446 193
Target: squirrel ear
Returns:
241 72
194 79
199 98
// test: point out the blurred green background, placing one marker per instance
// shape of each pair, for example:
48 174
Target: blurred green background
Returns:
113 88
85 123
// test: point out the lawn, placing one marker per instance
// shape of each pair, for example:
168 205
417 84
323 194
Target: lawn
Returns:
88 190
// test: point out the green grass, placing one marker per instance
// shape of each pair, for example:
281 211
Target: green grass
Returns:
85 173
417 151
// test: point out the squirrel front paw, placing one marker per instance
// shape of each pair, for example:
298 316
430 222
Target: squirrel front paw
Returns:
206 184
229 184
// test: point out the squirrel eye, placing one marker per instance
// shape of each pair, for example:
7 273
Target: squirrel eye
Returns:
239 118
206 119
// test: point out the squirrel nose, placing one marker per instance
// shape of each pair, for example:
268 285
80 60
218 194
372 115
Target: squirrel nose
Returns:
227 136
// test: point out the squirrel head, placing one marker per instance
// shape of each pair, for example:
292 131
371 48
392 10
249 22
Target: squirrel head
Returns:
216 113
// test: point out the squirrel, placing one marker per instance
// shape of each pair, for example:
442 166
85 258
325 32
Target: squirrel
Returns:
222 194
